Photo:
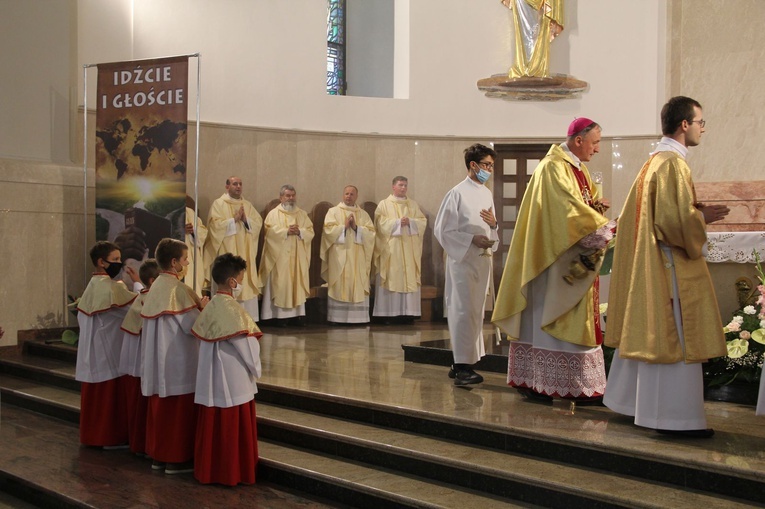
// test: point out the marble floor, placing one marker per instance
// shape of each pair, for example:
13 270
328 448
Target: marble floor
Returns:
365 364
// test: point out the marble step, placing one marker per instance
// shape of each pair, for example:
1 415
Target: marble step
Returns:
58 402
46 370
42 463
438 352
51 348
513 476
359 485
470 468
646 461
340 480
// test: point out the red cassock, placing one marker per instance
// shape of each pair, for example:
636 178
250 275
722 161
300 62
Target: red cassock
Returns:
170 428
137 405
226 449
103 419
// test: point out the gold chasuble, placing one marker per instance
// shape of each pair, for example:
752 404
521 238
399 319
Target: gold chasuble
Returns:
103 294
224 318
168 296
552 219
286 258
197 264
660 209
243 243
346 266
397 258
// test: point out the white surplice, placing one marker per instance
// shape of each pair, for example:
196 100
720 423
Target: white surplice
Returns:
227 372
170 354
467 271
100 345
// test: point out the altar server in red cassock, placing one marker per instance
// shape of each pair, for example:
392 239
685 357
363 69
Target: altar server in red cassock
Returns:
102 308
226 450
170 353
136 404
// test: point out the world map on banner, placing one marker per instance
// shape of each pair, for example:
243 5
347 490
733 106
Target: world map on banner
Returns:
125 151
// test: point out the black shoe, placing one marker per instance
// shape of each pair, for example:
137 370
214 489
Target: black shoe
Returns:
596 401
534 395
457 367
688 433
297 321
467 377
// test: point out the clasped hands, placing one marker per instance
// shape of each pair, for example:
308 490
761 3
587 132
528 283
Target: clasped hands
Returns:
240 215
293 230
350 222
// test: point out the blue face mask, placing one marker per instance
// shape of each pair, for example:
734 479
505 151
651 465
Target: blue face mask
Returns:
482 175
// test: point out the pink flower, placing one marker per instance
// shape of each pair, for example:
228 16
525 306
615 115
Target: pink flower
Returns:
733 326
744 334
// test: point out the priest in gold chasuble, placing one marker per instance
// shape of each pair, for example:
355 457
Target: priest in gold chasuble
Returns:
234 227
346 259
399 226
286 258
662 315
547 301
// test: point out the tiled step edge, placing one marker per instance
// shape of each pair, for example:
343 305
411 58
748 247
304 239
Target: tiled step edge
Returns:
493 472
37 495
22 399
315 474
19 368
693 477
442 357
55 350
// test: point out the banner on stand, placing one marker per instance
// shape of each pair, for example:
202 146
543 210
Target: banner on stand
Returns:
141 138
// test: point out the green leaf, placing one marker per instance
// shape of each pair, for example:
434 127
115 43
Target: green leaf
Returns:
759 336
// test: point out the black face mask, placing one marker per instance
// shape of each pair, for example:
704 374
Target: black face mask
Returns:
113 269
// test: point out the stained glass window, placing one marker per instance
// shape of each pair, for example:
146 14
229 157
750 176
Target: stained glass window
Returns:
336 47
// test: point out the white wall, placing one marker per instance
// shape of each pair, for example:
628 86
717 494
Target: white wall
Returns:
38 78
263 64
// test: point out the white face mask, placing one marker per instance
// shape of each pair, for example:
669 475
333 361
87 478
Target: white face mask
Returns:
237 290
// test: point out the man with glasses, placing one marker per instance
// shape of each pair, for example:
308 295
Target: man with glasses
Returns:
547 301
467 230
662 315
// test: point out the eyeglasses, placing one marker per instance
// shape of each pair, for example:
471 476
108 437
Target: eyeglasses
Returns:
488 166
701 122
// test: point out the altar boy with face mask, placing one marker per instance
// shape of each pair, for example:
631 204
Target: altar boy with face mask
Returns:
226 449
170 353
101 310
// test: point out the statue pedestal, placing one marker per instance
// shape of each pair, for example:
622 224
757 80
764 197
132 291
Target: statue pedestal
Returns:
554 88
